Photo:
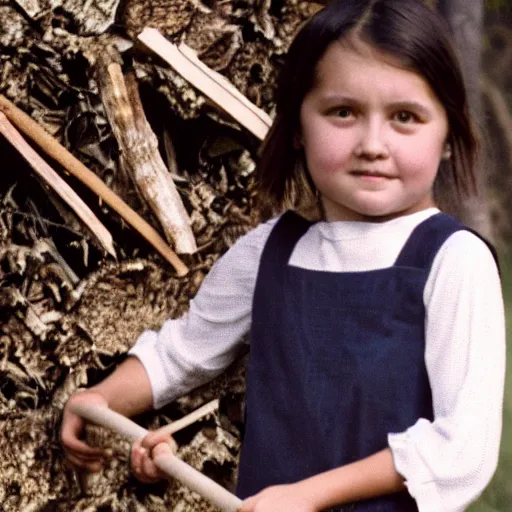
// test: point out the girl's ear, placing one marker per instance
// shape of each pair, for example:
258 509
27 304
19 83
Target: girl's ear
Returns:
297 141
447 152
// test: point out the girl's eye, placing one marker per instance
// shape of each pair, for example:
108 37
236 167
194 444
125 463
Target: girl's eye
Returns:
405 117
343 112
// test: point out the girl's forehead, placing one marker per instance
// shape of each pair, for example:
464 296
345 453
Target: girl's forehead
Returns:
353 55
354 43
361 68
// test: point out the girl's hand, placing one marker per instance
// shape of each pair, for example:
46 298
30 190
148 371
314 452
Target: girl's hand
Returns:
279 498
155 443
79 453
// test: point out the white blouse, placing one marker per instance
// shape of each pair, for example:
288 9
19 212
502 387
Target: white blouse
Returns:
446 463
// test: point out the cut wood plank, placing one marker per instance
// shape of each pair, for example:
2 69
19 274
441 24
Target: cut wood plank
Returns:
212 84
58 184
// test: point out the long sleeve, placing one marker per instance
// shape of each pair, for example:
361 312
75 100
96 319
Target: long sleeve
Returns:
193 349
448 462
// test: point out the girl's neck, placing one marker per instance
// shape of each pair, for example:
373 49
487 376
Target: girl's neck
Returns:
380 219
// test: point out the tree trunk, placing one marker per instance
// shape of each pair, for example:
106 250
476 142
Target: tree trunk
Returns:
466 20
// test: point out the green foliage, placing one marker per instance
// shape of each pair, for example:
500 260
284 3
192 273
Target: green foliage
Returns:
496 5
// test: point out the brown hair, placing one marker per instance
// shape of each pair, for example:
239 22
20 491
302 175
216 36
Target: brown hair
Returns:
407 31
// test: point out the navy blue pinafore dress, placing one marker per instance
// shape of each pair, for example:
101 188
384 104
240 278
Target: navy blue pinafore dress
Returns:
336 361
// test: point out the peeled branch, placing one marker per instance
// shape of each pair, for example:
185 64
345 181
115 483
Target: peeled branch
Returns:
58 152
58 184
139 150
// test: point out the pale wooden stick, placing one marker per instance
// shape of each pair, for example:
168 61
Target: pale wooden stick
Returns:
138 147
215 86
191 418
59 153
58 184
169 464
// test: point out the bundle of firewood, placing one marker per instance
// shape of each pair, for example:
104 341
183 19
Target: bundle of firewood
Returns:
129 178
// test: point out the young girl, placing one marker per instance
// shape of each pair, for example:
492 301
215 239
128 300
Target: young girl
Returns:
376 369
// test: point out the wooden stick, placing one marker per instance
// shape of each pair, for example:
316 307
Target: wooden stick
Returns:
139 152
58 184
59 153
169 464
215 86
191 418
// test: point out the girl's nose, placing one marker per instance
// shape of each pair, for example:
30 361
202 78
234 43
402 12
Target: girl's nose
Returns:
372 145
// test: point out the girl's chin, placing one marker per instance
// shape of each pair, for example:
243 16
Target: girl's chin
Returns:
383 214
364 212
374 209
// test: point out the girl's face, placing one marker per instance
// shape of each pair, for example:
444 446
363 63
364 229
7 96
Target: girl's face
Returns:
373 136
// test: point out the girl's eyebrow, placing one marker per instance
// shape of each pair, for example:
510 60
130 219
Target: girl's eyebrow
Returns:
411 105
338 98
415 106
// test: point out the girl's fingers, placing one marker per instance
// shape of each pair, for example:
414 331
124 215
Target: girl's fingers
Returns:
86 458
248 504
98 454
155 443
151 472
69 435
159 443
141 464
157 437
88 465
136 457
77 451
163 449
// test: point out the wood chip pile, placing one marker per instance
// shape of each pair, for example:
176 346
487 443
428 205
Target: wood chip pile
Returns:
69 311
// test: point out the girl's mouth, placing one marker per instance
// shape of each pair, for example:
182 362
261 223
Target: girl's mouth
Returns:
371 175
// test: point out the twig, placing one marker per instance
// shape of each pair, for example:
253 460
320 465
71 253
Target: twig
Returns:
139 150
42 220
223 93
53 148
48 245
170 464
57 183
